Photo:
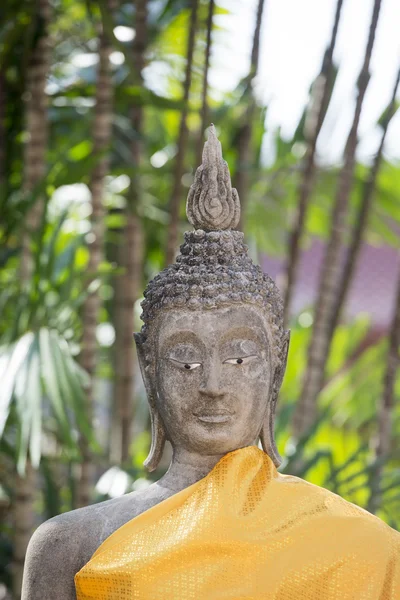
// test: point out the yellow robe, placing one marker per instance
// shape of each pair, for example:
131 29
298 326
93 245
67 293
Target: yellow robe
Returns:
247 532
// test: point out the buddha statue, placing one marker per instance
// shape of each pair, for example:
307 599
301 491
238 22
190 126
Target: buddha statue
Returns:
222 523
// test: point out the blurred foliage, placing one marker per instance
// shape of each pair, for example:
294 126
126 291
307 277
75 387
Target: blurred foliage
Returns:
42 387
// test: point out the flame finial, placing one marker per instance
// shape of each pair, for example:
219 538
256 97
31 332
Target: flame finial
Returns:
212 203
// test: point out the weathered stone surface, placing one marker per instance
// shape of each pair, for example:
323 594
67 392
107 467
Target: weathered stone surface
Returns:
212 202
212 352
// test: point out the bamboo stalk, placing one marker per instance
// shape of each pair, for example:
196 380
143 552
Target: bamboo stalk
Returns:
101 135
325 84
128 290
204 103
130 259
176 193
385 414
361 218
244 157
3 103
37 130
36 127
306 408
24 521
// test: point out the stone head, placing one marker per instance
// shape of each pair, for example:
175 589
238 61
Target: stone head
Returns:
213 349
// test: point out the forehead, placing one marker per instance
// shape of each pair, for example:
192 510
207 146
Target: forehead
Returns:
213 325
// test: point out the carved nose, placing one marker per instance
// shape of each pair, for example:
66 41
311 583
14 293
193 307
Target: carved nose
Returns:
210 386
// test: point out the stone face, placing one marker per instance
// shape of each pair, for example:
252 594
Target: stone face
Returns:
197 361
211 377
212 352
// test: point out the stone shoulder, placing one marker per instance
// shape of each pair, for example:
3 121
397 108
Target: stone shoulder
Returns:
61 546
91 525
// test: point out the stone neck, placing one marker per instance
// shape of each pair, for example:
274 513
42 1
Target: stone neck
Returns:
187 468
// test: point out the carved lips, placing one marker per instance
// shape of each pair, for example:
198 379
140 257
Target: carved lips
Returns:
214 416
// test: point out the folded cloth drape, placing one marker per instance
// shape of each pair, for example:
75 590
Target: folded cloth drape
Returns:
247 532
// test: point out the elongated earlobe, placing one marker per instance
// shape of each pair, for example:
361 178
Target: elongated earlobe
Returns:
158 435
267 437
158 439
267 433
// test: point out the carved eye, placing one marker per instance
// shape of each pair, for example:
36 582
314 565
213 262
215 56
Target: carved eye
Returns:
191 366
185 365
240 360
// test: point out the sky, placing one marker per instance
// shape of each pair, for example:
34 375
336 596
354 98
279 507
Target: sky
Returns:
294 36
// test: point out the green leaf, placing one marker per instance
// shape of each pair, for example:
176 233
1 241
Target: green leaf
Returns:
11 359
51 492
65 260
50 249
388 113
336 471
80 151
73 380
52 385
140 96
34 397
24 413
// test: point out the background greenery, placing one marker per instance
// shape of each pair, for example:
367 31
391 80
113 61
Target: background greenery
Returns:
95 166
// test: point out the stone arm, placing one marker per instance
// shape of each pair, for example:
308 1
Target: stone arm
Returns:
53 558
63 545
